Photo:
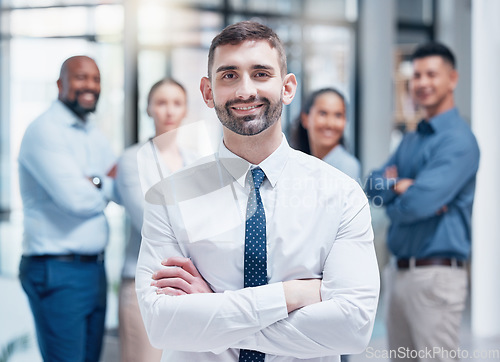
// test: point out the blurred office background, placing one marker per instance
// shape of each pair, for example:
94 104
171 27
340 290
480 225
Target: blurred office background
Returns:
358 46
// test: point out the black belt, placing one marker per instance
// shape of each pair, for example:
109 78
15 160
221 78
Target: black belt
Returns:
83 258
406 263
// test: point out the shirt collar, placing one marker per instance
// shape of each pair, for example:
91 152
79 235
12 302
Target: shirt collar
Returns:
71 119
272 166
444 121
425 128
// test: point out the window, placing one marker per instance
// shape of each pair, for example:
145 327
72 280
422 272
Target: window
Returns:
415 26
135 44
36 38
174 37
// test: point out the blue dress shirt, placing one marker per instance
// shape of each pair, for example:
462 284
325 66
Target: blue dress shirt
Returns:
442 157
63 210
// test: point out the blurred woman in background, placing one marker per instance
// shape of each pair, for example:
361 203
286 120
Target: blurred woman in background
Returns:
157 158
319 131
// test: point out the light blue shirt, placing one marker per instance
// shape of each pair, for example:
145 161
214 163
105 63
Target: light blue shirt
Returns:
63 210
339 158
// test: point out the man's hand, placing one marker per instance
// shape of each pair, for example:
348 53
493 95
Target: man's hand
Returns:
442 210
112 172
179 278
391 172
301 292
402 185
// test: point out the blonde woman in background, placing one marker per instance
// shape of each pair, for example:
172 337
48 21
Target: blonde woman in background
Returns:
167 106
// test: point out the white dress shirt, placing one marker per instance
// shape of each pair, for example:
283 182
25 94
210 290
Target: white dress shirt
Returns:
139 168
318 226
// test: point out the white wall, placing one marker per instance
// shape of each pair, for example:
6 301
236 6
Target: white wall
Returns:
486 126
377 38
453 28
377 26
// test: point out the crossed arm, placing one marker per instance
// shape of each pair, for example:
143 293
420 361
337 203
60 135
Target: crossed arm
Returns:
184 278
403 184
49 159
299 318
437 184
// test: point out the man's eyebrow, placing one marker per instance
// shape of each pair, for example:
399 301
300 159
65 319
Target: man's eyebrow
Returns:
223 68
262 66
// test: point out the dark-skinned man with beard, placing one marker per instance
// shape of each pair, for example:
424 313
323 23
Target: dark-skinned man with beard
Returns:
66 171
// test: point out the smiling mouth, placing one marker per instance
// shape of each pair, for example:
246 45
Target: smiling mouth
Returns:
247 108
88 96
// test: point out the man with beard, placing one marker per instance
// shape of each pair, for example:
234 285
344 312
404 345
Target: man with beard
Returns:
66 170
427 187
259 252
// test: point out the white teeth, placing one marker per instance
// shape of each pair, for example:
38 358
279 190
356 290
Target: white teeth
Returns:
245 108
88 96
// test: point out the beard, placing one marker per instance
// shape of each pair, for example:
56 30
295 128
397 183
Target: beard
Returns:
77 108
253 124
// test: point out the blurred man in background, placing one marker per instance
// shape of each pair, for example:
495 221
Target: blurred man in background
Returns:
428 187
66 170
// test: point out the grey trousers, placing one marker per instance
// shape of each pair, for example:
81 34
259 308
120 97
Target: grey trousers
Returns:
424 312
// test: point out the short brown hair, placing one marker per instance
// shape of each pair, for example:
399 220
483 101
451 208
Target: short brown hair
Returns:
247 30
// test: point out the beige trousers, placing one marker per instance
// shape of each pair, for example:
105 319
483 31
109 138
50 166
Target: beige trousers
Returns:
424 312
134 342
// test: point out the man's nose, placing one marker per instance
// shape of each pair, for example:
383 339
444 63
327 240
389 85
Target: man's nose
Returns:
422 81
246 88
93 84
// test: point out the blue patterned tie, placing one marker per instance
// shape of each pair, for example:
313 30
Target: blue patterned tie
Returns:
255 270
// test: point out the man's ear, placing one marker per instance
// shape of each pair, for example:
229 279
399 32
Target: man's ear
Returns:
289 88
206 92
59 85
454 78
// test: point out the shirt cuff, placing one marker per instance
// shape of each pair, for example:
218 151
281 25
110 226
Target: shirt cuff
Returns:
271 303
269 307
108 187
